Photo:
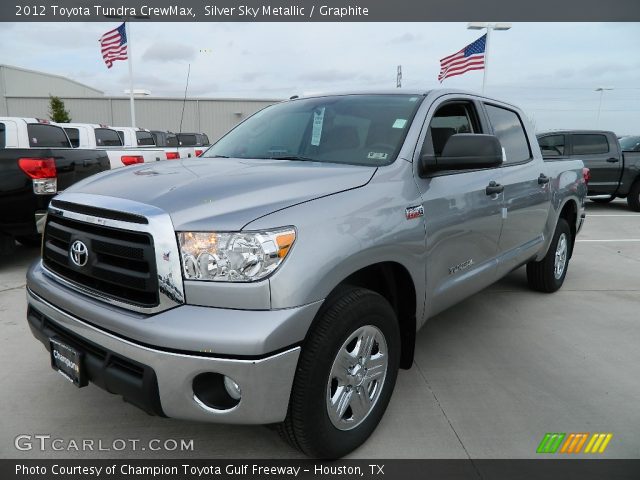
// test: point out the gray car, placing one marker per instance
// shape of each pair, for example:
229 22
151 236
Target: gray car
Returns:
281 278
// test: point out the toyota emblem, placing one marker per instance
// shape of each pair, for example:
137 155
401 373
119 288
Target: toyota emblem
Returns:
79 253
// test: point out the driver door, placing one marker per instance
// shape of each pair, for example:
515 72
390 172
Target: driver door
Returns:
463 221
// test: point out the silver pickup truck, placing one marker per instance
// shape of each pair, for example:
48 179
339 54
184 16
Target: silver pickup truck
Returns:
281 278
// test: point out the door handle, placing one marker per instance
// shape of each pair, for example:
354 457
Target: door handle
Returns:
543 179
612 160
494 188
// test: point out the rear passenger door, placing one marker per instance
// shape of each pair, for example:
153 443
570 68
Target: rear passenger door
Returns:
527 197
462 220
602 159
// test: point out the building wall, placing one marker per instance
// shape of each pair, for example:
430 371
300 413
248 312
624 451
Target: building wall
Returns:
214 117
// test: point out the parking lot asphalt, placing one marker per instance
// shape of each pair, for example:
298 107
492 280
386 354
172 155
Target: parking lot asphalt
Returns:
491 375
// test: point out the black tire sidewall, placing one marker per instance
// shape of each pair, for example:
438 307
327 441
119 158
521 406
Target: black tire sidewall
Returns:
562 227
322 438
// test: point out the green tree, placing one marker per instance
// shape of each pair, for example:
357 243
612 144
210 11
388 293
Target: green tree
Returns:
57 113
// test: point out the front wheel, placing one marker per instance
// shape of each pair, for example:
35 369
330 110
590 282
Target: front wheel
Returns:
345 375
548 274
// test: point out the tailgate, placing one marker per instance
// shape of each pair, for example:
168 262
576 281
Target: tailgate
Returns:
73 165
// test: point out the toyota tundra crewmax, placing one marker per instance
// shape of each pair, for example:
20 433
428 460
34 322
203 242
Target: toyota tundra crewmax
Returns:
281 277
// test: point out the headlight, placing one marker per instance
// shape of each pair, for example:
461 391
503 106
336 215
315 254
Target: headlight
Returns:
234 257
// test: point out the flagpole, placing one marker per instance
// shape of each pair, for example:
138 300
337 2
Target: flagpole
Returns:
130 62
489 27
486 58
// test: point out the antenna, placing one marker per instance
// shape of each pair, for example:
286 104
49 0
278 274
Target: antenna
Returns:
184 101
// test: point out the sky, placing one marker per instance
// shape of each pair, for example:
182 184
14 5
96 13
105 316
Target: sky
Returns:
551 70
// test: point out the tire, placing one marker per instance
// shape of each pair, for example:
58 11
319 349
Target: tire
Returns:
633 200
31 241
603 200
547 275
321 381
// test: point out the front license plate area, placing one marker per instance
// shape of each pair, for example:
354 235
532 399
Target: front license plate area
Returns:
68 362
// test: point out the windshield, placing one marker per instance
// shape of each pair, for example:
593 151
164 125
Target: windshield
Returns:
355 129
630 144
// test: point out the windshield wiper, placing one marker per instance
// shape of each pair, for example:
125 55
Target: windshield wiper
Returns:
293 157
216 156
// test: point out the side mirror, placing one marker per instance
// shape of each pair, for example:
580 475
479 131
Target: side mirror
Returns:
464 151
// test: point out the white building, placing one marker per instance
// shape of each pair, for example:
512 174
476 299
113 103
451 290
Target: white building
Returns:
25 93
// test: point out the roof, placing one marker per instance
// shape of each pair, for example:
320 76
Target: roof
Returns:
401 91
61 77
569 131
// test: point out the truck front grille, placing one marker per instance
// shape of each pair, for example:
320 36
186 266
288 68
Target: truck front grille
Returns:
120 263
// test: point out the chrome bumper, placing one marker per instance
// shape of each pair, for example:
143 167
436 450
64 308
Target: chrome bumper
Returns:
265 382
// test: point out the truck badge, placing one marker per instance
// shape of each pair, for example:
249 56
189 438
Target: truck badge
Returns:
414 212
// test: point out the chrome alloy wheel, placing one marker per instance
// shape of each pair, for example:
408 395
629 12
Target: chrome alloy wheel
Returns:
357 376
560 260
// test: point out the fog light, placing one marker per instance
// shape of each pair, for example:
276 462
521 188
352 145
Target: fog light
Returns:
232 388
215 391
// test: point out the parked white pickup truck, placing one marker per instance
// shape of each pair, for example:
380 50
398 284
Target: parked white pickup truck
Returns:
143 139
102 137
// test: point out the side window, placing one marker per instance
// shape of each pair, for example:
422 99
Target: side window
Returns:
507 126
187 140
74 136
552 145
2 135
589 144
172 140
145 139
121 135
105 137
450 119
43 135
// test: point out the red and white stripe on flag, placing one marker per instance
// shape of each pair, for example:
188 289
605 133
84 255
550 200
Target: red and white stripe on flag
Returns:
469 58
113 45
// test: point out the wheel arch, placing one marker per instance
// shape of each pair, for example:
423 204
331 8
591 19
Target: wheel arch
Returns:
393 282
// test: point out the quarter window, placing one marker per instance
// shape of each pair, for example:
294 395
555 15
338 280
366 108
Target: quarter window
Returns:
589 144
507 126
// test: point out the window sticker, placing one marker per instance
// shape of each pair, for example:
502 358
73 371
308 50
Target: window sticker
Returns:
399 123
377 156
34 140
316 133
413 99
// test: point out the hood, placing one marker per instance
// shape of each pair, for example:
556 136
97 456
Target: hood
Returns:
224 194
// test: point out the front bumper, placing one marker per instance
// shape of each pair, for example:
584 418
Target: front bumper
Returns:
165 385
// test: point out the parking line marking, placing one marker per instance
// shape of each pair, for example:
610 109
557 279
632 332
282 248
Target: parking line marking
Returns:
610 240
613 215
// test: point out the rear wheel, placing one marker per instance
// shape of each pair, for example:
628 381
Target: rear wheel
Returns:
548 274
345 375
633 200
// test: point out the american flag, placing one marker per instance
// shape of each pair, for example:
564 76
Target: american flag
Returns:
114 45
470 57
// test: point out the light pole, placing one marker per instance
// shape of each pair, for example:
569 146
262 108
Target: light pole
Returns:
488 27
601 90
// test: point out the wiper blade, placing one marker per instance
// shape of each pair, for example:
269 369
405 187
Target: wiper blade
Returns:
293 157
215 156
